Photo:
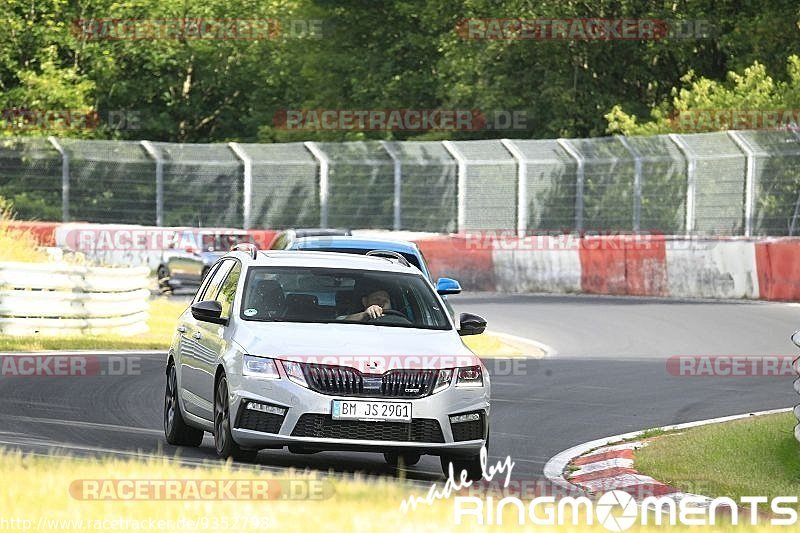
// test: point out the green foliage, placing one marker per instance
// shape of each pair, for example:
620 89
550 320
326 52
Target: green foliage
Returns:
379 55
752 90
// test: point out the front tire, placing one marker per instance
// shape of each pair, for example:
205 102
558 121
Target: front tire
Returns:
470 463
223 439
162 273
177 431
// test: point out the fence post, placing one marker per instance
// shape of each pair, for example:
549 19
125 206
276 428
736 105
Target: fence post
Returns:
156 155
324 169
691 169
637 181
247 185
398 178
64 178
749 180
461 210
522 186
580 177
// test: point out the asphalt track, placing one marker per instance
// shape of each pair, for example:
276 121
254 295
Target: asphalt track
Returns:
609 376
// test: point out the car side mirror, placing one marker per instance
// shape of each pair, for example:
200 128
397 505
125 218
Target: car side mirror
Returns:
447 286
796 338
208 311
471 324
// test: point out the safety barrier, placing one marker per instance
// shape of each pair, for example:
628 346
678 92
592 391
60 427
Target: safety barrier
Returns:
65 299
636 265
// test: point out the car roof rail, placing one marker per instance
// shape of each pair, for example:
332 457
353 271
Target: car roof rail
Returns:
390 254
246 247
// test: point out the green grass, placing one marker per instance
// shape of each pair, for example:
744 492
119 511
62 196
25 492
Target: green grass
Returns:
757 456
161 323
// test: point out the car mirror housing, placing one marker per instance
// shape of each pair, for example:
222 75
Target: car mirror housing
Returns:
447 286
471 324
208 311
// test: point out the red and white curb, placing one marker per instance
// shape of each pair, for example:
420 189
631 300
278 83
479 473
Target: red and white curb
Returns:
607 464
612 468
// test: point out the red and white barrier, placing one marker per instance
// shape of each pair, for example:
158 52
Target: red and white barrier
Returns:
134 245
640 265
635 265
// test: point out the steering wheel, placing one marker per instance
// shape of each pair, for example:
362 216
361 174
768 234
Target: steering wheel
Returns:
392 314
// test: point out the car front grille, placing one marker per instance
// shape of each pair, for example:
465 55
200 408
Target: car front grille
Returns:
324 427
347 381
472 430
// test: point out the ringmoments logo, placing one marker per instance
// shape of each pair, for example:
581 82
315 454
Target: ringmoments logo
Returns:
615 510
619 511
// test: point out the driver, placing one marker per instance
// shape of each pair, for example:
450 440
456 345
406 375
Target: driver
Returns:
375 303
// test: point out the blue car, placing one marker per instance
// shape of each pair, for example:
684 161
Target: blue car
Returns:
362 245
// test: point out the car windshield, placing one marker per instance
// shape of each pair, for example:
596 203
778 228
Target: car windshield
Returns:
325 295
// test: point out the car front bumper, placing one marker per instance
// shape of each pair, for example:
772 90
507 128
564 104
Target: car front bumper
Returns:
307 423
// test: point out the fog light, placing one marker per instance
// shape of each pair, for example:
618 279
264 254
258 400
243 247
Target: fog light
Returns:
263 408
469 417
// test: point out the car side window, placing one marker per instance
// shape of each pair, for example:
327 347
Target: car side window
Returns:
204 284
216 280
228 290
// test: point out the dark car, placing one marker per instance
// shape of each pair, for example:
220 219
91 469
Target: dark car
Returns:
192 252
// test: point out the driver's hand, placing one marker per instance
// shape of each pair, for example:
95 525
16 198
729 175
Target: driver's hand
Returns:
374 311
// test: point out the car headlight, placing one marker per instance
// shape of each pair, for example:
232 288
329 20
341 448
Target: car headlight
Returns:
294 371
443 379
259 367
469 376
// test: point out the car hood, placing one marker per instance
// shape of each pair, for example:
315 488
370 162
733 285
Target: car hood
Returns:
351 344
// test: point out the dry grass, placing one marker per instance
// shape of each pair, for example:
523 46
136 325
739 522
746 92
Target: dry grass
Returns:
39 491
17 245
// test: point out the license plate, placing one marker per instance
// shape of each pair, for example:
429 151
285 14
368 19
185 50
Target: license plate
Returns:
375 411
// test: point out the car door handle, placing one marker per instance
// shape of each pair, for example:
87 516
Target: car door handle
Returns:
181 329
197 335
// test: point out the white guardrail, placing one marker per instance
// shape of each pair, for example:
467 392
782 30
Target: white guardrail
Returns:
64 299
